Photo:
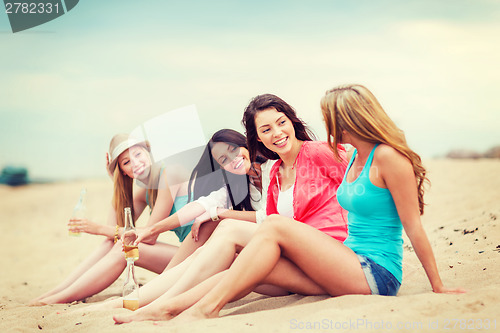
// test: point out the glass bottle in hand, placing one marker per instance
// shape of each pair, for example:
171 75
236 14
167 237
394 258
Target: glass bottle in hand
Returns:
79 211
129 237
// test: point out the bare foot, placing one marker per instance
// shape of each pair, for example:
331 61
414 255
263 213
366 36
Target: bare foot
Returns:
193 314
37 302
52 299
142 315
102 306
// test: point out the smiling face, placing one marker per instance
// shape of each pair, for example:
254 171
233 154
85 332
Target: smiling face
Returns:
275 130
135 163
231 158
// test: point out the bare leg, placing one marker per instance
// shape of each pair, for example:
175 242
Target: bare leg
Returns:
172 273
104 272
99 253
215 256
285 275
151 290
329 263
188 246
173 306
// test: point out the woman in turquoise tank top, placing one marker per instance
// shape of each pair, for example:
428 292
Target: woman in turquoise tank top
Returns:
383 192
129 160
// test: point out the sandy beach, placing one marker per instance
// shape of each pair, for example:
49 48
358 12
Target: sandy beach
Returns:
462 220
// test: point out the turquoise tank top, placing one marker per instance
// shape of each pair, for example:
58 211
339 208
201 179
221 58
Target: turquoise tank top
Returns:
182 231
374 226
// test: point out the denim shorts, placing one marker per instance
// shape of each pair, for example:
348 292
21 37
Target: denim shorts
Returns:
380 280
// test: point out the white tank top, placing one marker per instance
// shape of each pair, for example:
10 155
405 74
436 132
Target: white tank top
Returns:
285 202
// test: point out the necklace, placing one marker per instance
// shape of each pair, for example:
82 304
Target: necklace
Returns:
296 157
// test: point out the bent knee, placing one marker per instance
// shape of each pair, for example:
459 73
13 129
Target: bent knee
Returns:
273 218
234 230
229 226
273 226
223 227
275 222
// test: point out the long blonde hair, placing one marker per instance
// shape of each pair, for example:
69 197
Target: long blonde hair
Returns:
123 190
122 195
355 109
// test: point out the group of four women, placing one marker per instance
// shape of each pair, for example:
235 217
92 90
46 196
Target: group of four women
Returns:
300 194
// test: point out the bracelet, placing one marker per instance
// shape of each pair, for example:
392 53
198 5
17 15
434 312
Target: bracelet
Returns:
213 213
116 234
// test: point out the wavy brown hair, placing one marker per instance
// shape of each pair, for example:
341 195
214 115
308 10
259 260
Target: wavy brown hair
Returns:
355 109
122 195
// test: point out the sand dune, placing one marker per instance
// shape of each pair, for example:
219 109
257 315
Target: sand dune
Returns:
462 221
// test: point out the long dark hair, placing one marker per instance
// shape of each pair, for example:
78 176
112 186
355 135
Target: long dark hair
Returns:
211 177
266 101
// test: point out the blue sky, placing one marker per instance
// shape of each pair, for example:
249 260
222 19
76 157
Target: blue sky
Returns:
107 66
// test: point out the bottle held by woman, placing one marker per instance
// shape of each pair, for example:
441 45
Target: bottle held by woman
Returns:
129 237
79 212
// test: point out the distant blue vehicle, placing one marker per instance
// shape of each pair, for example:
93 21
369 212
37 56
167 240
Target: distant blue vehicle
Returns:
14 176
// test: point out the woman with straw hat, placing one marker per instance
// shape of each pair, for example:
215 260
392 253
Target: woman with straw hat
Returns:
128 159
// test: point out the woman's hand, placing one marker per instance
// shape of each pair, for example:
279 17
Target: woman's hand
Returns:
145 235
445 290
195 228
107 166
84 225
129 238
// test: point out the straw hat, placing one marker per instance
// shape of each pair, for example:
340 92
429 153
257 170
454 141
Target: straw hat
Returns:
119 143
